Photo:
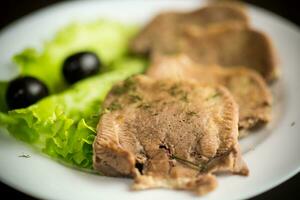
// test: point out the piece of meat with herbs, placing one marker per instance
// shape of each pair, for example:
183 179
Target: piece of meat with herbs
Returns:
167 133
216 34
247 86
165 29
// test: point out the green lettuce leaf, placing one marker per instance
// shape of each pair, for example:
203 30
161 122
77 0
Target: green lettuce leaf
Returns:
63 125
108 39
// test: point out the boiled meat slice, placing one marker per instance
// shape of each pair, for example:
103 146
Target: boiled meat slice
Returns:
167 133
247 86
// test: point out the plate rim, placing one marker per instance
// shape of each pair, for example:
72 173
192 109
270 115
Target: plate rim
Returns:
54 6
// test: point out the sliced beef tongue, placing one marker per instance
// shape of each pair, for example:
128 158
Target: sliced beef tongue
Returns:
247 87
167 133
216 34
163 31
230 46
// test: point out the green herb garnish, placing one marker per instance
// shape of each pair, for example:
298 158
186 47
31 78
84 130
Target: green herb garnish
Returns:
122 89
191 113
144 105
175 91
213 96
134 98
184 97
114 106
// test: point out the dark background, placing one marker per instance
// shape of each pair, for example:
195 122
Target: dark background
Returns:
15 9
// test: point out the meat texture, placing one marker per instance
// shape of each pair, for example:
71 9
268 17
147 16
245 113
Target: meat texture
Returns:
247 86
170 134
216 34
231 46
165 29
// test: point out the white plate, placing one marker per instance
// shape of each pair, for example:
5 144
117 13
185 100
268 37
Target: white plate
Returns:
272 154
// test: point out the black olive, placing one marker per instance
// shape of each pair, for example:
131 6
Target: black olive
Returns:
80 65
25 91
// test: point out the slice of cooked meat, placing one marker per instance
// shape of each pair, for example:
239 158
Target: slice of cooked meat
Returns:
247 86
165 29
168 133
230 46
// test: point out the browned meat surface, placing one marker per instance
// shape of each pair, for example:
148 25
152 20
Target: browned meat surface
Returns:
167 133
165 29
231 46
216 34
247 87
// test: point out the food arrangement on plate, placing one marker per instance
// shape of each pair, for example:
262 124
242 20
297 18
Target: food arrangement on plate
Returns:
165 104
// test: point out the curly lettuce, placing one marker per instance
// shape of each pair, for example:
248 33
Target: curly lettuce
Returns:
108 39
63 125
